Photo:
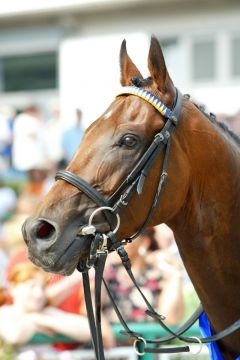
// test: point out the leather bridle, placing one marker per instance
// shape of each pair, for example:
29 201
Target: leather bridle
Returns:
100 247
134 182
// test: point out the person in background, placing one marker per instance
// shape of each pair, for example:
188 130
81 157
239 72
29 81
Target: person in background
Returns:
33 190
163 288
53 137
164 236
29 152
39 303
72 137
8 201
3 258
165 256
6 124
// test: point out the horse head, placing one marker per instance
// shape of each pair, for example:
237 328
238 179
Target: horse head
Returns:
110 149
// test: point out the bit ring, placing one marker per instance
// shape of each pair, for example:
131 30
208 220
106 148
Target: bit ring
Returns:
102 208
136 341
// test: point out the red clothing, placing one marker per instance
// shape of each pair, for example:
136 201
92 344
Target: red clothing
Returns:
72 303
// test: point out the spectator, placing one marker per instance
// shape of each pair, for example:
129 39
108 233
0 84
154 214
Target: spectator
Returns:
5 138
162 288
28 146
164 236
8 201
72 137
27 295
53 136
41 305
33 190
3 258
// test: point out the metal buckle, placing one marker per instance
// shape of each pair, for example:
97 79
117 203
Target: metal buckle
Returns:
103 245
122 197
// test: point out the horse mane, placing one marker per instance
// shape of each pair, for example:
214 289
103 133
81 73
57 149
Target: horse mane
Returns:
222 125
141 82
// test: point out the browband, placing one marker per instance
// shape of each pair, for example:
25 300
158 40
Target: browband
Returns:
149 97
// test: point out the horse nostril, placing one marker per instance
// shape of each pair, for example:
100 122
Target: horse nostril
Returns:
44 230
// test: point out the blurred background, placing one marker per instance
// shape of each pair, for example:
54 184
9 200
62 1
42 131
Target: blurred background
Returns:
59 70
67 51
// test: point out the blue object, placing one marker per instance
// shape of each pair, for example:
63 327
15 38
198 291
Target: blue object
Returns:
206 331
71 139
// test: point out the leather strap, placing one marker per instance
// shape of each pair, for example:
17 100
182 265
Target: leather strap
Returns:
173 334
88 190
82 185
95 321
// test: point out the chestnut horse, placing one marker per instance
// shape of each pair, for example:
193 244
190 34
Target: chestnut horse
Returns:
200 201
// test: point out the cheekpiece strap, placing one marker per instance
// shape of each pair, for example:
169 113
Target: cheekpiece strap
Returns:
149 97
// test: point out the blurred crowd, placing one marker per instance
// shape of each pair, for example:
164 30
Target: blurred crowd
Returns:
33 302
32 148
30 139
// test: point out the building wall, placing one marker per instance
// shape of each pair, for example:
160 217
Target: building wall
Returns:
88 45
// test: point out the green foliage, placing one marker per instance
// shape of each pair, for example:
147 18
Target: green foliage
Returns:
6 352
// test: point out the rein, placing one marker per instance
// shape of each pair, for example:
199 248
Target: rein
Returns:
99 249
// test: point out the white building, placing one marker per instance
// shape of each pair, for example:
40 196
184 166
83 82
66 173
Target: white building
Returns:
70 49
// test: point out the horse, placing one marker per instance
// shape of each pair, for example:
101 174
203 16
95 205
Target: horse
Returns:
200 200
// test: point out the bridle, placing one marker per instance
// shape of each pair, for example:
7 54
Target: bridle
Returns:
111 207
134 182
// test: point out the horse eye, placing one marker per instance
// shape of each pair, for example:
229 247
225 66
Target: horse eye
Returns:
129 140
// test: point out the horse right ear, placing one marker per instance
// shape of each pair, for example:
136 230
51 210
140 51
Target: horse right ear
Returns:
128 69
157 66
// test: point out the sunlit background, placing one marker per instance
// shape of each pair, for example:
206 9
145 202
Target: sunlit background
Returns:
68 50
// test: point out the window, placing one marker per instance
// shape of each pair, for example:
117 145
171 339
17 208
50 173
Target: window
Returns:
173 58
204 60
236 56
168 44
29 72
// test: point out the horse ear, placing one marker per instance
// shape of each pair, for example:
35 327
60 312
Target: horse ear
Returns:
157 66
128 69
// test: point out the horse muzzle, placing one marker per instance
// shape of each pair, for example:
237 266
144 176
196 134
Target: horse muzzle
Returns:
53 250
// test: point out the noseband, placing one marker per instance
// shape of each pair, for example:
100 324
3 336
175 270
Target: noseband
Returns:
133 183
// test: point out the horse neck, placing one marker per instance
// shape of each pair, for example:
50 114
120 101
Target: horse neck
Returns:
206 227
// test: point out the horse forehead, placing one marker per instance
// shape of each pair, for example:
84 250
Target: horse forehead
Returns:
128 108
133 104
125 109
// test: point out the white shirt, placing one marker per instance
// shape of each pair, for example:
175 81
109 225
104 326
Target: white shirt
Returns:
29 151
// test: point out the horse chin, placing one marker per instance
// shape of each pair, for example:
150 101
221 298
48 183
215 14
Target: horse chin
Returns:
68 261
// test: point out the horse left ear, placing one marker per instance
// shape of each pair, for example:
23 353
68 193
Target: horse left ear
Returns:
157 66
128 69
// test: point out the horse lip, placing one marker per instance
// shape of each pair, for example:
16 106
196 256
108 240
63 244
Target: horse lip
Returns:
61 264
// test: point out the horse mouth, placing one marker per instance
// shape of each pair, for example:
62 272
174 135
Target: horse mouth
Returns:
66 262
